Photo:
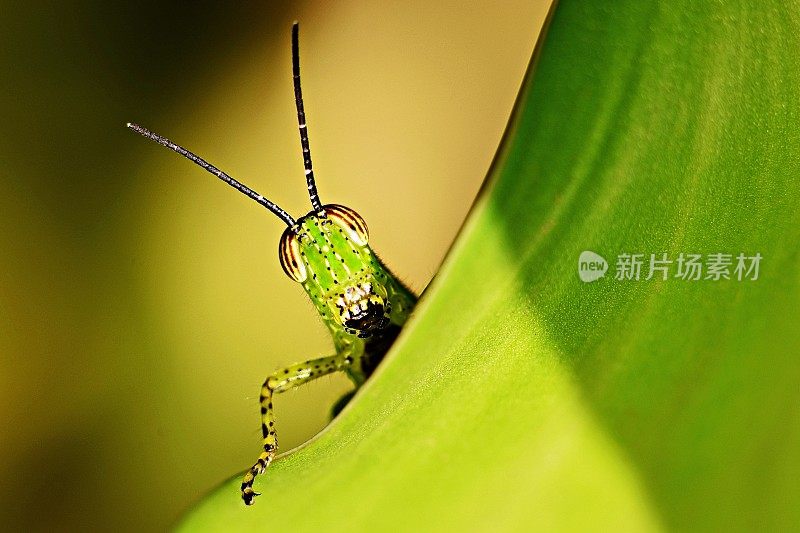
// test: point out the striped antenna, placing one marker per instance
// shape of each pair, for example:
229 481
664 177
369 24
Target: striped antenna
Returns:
301 119
244 189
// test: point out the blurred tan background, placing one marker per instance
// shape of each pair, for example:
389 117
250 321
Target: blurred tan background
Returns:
142 301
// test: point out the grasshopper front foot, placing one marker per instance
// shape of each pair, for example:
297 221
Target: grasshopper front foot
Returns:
248 494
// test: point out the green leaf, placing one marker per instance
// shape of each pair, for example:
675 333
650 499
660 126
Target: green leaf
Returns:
520 396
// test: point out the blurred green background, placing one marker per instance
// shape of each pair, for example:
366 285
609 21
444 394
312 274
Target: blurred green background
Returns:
142 301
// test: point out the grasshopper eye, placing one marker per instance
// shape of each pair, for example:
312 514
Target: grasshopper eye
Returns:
291 259
350 222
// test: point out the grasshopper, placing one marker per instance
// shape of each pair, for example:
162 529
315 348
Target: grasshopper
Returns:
327 252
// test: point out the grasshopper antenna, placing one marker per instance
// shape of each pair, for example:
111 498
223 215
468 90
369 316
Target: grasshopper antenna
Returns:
244 189
301 120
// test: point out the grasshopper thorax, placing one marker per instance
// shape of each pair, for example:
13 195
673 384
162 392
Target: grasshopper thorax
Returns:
328 253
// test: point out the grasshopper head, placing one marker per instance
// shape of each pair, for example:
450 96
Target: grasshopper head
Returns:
328 253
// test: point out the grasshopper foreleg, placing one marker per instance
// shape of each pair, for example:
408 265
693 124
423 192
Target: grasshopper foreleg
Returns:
280 381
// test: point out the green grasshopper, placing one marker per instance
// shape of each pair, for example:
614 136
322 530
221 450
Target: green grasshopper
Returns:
327 251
